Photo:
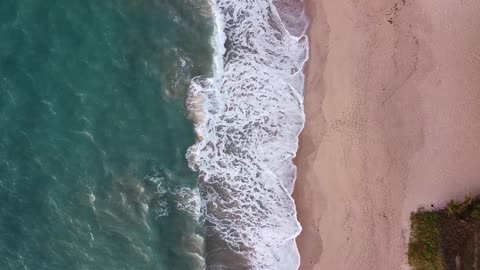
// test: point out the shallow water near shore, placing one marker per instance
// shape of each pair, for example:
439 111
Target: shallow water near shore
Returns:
94 132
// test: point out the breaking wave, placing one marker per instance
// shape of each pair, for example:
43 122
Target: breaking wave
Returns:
248 117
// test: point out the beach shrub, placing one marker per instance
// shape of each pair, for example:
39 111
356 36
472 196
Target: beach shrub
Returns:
443 239
424 250
461 208
476 212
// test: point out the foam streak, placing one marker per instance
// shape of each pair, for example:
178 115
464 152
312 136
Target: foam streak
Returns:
251 116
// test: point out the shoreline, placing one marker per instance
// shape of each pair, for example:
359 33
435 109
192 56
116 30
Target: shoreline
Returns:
317 32
392 105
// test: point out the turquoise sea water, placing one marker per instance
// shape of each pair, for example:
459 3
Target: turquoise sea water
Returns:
94 131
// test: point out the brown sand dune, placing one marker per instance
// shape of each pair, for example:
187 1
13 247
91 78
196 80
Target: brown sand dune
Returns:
393 122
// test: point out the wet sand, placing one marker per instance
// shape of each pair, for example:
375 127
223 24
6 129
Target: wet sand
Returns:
393 123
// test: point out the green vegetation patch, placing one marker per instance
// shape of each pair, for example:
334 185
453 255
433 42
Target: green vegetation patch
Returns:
424 249
446 239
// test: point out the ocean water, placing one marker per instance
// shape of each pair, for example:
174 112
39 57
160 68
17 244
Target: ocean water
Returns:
249 116
94 132
150 134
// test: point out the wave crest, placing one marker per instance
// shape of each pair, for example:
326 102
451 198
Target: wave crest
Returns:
248 119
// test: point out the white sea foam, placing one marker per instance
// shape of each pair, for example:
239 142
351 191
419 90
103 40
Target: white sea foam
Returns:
249 116
187 201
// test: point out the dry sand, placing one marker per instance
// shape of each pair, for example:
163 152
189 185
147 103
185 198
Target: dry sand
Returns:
393 123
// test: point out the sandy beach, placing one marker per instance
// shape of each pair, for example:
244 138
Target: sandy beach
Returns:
393 123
